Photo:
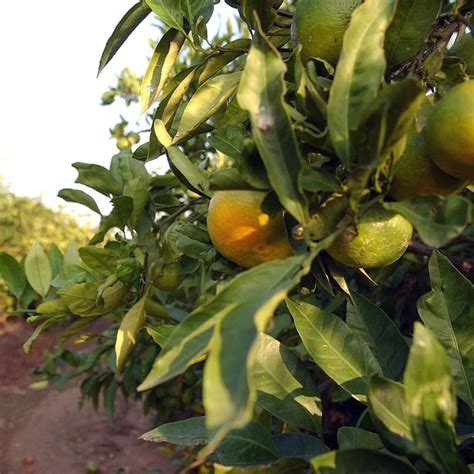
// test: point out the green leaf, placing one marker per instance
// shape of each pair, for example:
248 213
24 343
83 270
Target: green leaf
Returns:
187 172
349 437
137 189
173 12
380 333
229 140
101 260
79 197
97 177
359 74
319 180
192 240
71 255
160 334
27 346
121 212
248 446
130 326
13 274
82 299
56 259
265 11
409 29
285 387
38 269
191 338
70 274
227 178
388 121
367 461
160 66
298 445
205 102
110 392
229 393
334 347
389 412
125 168
189 432
122 31
431 402
261 93
448 311
217 61
436 219
52 307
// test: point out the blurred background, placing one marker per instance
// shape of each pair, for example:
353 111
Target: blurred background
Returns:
52 111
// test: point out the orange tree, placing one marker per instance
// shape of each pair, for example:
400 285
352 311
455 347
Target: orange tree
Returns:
345 344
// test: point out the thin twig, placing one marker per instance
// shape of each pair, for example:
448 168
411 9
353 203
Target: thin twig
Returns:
464 266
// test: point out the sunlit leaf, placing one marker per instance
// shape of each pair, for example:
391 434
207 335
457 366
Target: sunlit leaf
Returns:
359 73
431 402
284 386
160 66
128 330
334 347
261 93
448 310
229 393
205 102
389 411
38 269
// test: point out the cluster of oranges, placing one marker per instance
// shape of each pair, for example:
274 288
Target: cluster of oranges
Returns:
437 160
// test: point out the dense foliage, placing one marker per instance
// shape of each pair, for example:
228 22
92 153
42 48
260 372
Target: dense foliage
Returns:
301 363
25 220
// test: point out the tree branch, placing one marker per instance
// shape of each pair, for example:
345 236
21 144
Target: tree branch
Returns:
464 266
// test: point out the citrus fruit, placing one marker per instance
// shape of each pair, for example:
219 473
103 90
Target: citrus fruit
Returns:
242 232
416 174
380 239
450 132
166 277
319 26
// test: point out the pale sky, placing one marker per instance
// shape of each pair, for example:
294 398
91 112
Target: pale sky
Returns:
50 112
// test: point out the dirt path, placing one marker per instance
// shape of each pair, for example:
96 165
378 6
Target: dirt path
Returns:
43 432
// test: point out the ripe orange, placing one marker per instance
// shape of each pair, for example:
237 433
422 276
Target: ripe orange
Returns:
381 238
319 26
450 132
242 232
416 174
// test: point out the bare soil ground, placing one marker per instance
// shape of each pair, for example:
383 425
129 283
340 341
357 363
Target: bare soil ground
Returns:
43 431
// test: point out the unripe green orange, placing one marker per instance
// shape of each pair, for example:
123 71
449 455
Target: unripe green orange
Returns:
450 132
416 174
380 238
166 277
319 26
